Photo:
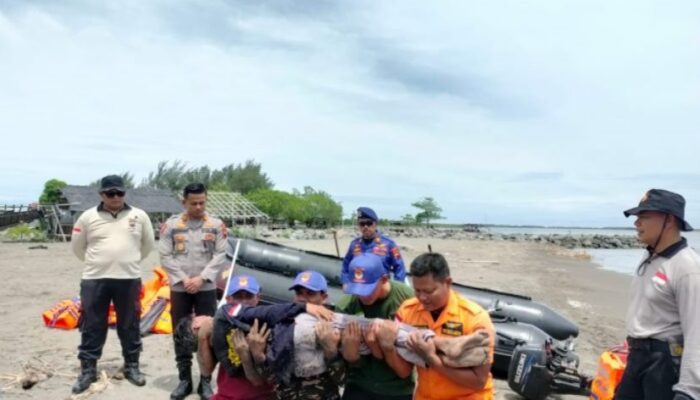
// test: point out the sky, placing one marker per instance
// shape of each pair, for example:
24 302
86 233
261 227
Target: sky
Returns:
510 112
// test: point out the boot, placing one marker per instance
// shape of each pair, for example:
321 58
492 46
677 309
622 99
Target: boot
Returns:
204 389
88 375
184 387
132 372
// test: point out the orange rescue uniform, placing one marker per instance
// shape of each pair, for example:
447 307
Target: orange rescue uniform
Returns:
460 317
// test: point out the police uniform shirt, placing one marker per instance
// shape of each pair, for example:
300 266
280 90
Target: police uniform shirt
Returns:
190 248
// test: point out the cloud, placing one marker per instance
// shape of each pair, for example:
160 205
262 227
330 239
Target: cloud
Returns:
502 112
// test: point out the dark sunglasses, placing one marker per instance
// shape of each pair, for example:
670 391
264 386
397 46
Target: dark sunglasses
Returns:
365 223
301 291
113 193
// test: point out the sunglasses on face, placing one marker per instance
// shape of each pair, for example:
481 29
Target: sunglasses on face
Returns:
365 223
304 292
114 193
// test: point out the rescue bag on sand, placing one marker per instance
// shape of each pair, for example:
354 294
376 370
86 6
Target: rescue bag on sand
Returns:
63 315
611 366
154 300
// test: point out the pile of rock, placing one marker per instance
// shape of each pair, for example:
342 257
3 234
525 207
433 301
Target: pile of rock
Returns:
569 241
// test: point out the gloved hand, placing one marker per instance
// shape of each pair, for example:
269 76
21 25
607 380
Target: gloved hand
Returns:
681 396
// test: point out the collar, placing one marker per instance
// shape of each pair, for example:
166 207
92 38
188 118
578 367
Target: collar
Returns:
101 207
184 217
376 238
449 308
671 250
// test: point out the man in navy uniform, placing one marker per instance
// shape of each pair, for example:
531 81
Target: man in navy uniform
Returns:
372 241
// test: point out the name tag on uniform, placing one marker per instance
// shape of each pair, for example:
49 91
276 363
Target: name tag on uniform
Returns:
179 240
452 328
421 326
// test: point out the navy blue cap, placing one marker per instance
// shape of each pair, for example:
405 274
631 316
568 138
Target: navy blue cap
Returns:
112 182
366 212
366 270
243 282
311 280
665 202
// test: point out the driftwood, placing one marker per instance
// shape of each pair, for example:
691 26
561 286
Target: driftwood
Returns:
33 372
102 384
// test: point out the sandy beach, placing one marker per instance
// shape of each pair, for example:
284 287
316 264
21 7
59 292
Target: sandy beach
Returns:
36 279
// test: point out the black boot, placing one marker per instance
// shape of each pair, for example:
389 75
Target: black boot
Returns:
204 388
88 375
132 372
184 387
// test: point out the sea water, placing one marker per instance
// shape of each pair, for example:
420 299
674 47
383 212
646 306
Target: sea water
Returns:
624 261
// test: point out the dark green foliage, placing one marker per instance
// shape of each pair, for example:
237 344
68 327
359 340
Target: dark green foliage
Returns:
430 210
243 178
52 191
311 207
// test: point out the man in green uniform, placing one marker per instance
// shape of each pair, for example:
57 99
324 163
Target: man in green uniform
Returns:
379 375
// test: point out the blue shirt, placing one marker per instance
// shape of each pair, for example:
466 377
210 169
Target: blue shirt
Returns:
381 246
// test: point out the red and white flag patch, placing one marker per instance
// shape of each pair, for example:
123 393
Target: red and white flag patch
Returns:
233 311
660 278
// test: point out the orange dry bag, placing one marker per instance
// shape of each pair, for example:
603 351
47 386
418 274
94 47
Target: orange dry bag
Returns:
610 369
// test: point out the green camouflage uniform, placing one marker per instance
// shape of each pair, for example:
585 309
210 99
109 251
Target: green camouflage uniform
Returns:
321 387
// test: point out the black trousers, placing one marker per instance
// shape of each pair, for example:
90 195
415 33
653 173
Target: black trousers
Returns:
182 304
353 392
95 297
651 372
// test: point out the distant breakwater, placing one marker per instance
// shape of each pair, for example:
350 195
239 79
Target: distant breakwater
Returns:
568 241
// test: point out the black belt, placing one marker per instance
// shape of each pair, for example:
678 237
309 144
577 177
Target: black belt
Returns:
648 344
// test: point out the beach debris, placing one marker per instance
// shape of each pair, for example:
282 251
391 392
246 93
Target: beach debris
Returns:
102 384
38 247
33 372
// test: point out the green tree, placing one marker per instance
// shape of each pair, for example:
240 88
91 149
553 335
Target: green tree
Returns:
127 177
320 208
312 207
429 210
243 178
279 205
167 177
408 219
52 191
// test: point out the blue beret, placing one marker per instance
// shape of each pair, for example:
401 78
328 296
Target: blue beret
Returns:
366 212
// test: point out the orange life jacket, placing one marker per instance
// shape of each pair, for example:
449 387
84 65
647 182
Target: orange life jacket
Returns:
63 315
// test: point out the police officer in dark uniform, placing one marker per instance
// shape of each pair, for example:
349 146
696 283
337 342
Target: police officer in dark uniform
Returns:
372 241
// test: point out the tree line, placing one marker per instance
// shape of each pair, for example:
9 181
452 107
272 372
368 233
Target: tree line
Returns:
312 207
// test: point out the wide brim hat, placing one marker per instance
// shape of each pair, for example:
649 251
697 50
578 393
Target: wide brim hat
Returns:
663 201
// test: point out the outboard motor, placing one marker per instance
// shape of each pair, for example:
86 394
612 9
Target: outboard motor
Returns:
536 371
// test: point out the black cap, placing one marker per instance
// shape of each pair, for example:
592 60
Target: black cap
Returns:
112 182
662 201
